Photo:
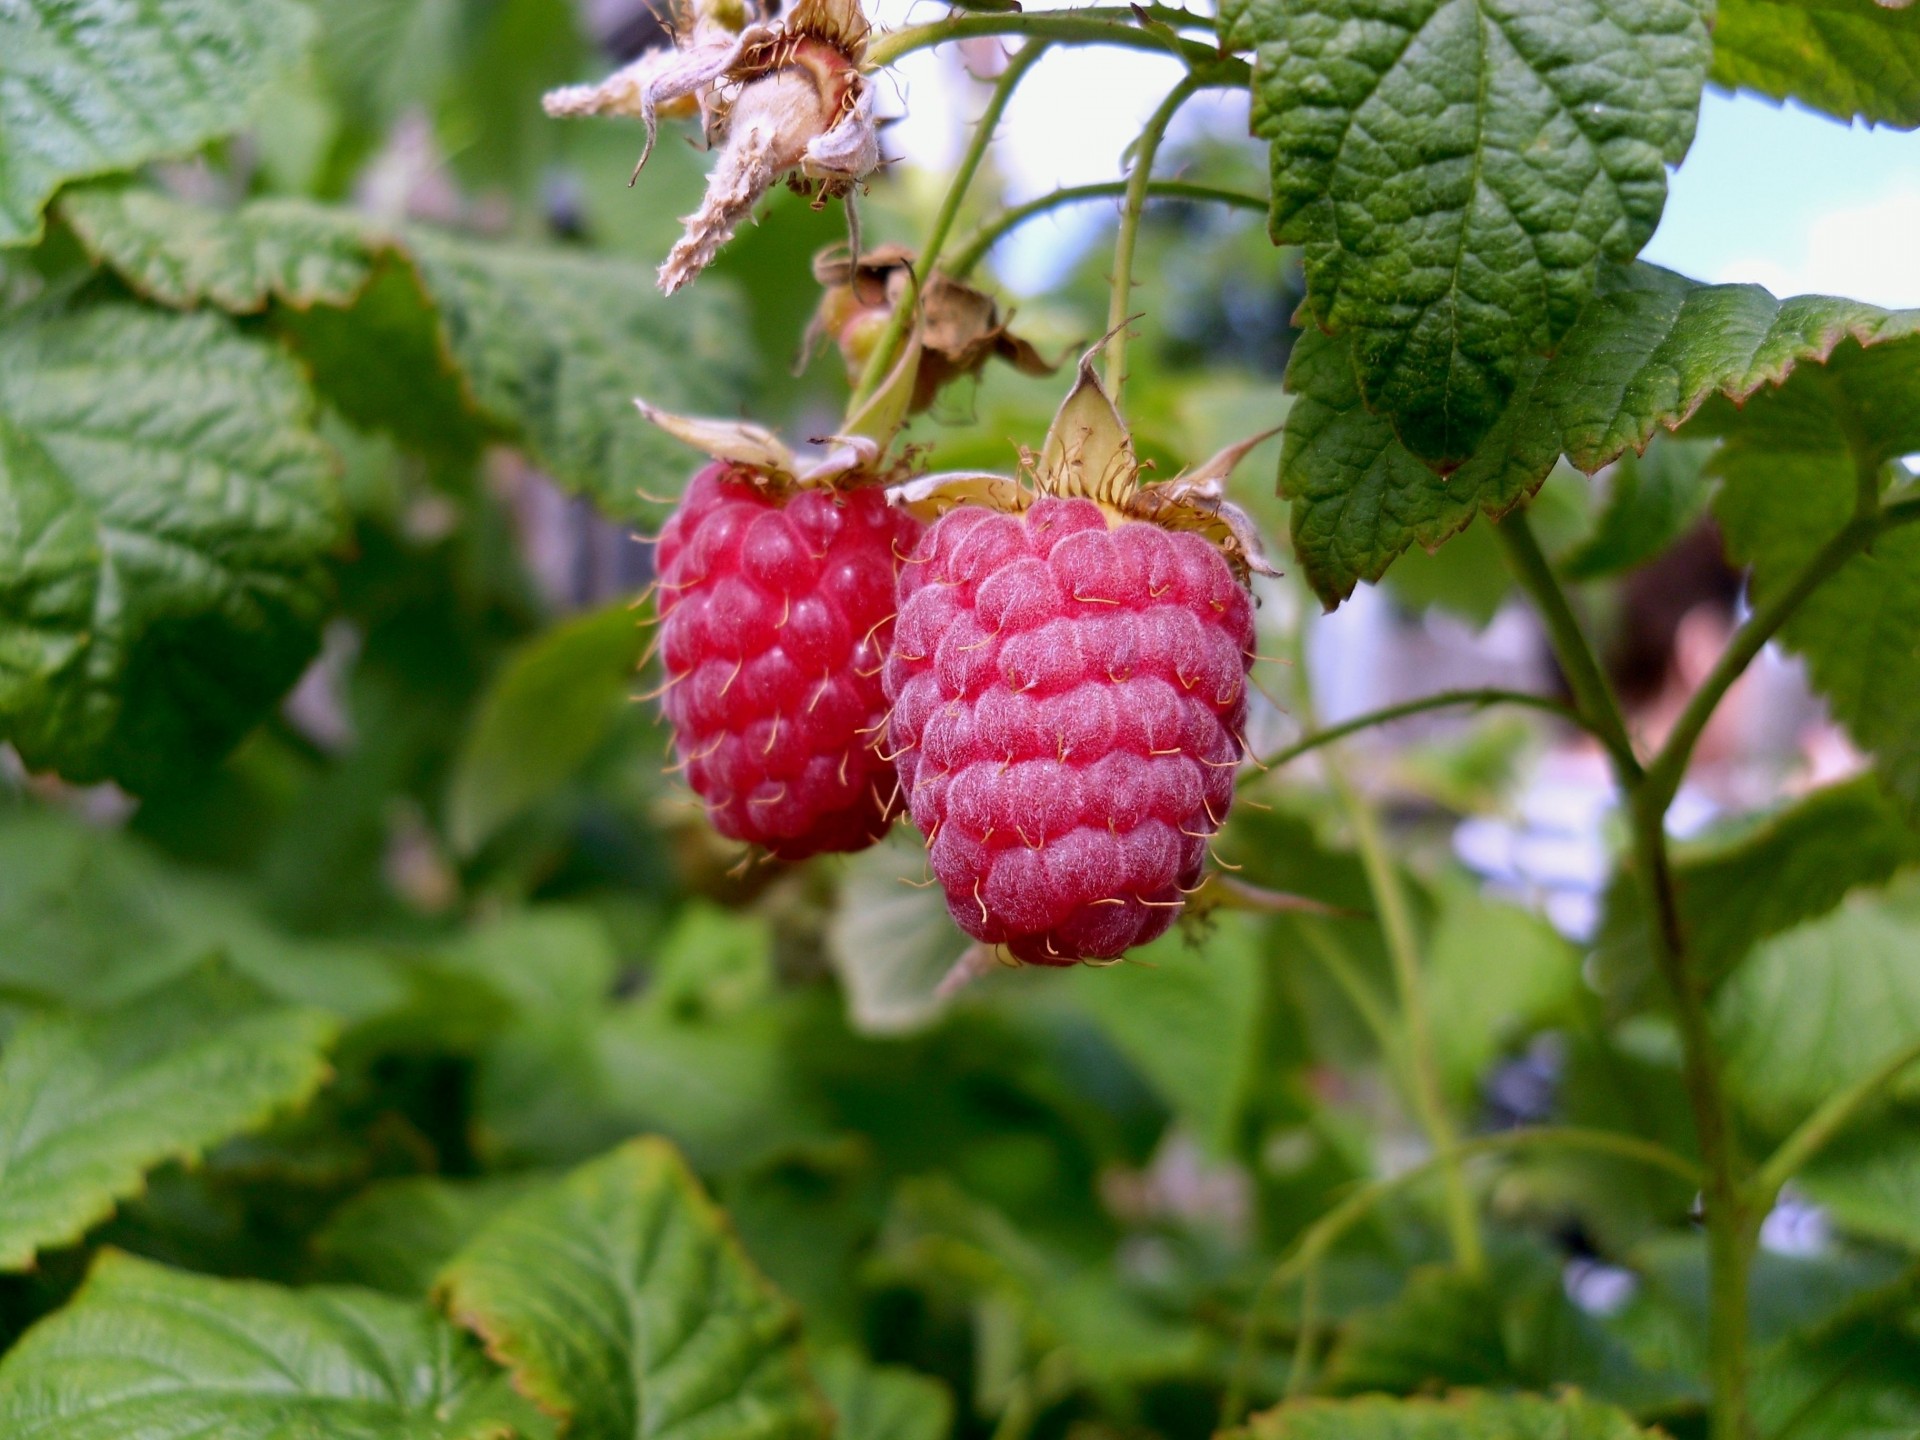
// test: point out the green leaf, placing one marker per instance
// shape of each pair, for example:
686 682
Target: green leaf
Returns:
1869 1181
185 255
1458 171
1468 1415
89 1104
1794 466
621 1302
148 1351
1851 58
890 940
547 710
165 518
1649 351
883 1402
549 346
1187 1016
91 87
396 1236
1652 498
1495 972
1819 1007
1794 867
90 918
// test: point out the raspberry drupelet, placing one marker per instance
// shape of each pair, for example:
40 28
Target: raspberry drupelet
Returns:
777 609
1069 689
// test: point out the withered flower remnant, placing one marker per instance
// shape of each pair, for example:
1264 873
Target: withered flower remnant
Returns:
960 328
779 97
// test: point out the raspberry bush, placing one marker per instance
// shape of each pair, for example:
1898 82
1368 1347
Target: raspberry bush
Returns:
467 973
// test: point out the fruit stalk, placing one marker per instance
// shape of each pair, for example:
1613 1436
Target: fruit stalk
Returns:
1123 246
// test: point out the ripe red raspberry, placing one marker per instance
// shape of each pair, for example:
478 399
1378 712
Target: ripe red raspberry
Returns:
1068 699
777 609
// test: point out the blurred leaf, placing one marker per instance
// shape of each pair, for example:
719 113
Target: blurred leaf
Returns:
1495 972
1869 1180
169 515
550 345
1850 58
1466 1416
890 940
1648 351
1443 248
882 1402
1792 468
548 958
1515 1327
92 87
1857 1376
1186 1014
88 1105
1795 867
93 918
1466 578
807 1216
544 714
1652 498
712 964
397 1235
1820 1006
144 1350
620 1301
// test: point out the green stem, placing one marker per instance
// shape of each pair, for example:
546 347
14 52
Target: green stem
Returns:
901 321
1870 520
974 249
1145 148
1415 1052
1319 1238
1591 692
1732 1227
1096 25
1340 964
1817 1131
1444 700
1423 1072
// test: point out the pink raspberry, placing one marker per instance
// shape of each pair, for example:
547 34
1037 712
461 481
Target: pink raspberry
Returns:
1068 699
776 613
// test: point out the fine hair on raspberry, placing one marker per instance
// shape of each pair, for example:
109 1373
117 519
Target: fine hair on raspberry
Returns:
777 611
1068 699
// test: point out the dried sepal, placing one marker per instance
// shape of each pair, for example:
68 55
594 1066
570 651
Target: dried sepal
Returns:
843 461
960 328
930 496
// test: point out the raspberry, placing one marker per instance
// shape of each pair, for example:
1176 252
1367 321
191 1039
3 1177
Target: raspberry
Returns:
1067 705
778 610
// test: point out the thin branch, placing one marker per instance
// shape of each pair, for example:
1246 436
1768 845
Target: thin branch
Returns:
901 321
974 249
1145 149
1096 25
1444 700
1818 1130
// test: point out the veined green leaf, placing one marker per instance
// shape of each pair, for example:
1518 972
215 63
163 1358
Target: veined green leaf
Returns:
621 1302
1648 352
88 87
547 347
1851 58
1819 1007
1468 1415
396 1235
1458 172
148 1351
165 516
89 1104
